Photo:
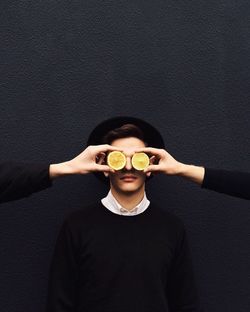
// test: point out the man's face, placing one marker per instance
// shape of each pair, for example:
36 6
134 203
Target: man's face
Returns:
128 180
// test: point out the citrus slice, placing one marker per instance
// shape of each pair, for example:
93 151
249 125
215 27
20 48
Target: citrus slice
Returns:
116 160
140 161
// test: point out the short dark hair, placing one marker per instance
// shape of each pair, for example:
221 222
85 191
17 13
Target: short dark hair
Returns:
125 131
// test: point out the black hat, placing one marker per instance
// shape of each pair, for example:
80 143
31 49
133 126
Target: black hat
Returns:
152 136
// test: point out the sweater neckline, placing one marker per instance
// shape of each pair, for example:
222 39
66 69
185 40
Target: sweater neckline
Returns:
109 213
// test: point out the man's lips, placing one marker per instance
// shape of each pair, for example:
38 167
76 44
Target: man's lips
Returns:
128 178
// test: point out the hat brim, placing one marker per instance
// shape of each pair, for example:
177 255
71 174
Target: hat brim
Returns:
152 136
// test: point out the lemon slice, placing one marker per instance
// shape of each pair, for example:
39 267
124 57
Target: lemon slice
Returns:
116 160
140 161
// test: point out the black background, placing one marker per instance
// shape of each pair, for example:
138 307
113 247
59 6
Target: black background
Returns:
182 66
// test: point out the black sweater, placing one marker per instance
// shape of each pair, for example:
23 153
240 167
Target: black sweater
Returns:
19 180
233 183
104 262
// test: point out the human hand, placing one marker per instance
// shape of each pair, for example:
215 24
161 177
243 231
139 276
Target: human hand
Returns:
161 161
90 160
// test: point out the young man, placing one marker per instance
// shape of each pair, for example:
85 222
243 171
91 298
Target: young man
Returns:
123 253
18 180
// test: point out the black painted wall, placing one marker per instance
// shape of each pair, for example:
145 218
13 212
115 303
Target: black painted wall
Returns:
184 66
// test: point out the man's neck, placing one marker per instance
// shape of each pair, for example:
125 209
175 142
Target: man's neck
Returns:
128 200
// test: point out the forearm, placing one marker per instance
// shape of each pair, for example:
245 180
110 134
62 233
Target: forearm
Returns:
229 182
18 180
191 172
61 169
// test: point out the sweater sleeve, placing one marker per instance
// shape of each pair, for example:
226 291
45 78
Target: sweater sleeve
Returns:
63 277
18 180
233 183
181 289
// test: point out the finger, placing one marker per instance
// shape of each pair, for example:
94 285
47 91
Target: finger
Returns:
152 168
106 148
103 168
150 150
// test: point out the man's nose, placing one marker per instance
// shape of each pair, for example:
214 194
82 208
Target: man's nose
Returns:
128 165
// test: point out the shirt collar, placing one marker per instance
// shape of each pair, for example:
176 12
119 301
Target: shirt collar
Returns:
112 204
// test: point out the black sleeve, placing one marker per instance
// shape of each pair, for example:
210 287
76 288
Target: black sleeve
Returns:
181 288
19 180
233 183
62 291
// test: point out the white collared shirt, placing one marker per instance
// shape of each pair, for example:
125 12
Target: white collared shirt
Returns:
112 204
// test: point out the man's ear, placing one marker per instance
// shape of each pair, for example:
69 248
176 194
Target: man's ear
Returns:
148 174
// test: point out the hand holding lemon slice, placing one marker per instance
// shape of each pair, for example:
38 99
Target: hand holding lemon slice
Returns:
117 160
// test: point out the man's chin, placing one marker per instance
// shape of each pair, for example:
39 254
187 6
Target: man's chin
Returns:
129 190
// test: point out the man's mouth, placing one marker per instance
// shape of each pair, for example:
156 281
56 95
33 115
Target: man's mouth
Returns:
128 178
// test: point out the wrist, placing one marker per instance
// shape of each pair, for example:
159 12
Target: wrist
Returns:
192 172
184 169
58 170
180 169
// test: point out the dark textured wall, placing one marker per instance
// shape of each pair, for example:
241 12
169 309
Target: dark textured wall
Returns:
182 65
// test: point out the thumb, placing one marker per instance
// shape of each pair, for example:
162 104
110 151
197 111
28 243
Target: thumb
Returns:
152 168
102 168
